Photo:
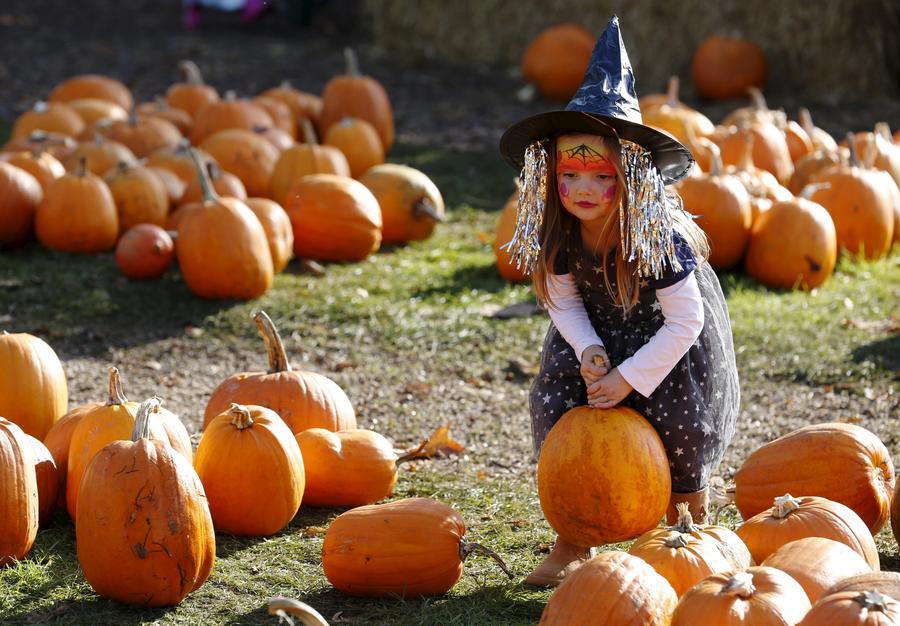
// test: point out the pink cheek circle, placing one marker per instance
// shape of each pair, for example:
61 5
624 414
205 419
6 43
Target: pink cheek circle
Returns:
610 192
563 190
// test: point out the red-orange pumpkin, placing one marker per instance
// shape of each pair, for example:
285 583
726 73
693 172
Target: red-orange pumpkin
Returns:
145 251
724 67
19 503
556 59
33 390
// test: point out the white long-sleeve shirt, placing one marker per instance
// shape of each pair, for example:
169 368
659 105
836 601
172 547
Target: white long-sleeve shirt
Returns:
682 310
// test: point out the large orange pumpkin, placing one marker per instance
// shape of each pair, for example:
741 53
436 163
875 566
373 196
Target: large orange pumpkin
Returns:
302 399
101 155
603 476
355 95
407 548
47 479
252 471
278 229
20 196
724 67
33 390
144 536
411 204
19 504
817 563
335 218
192 94
556 59
842 462
302 160
611 588
51 117
93 86
854 608
139 194
245 154
676 118
503 234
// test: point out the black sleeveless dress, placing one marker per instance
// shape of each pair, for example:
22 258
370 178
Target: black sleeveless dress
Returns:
693 409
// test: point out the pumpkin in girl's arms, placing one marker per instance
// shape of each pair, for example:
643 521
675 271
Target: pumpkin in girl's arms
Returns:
411 204
145 251
853 608
33 389
556 59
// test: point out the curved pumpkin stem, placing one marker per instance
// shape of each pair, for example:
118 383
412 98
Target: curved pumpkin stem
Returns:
467 547
81 168
672 91
309 133
203 174
746 163
278 361
758 99
116 396
282 607
740 584
807 192
854 153
240 416
784 506
883 130
685 522
142 421
715 161
351 61
192 75
425 208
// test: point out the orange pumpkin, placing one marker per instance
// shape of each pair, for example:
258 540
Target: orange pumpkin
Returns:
277 225
817 563
676 118
139 195
807 168
793 244
302 160
178 160
842 462
252 471
144 251
611 588
411 204
854 608
887 583
769 151
302 399
820 138
57 442
60 146
304 106
798 140
143 135
77 214
93 86
20 196
355 95
359 141
47 479
686 553
160 109
757 596
506 227
49 117
221 247
144 536
275 136
42 165
192 94
603 476
101 155
808 516
33 390
223 183
230 112
724 67
246 155
895 514
281 114
19 503
93 110
556 59
173 185
407 548
334 218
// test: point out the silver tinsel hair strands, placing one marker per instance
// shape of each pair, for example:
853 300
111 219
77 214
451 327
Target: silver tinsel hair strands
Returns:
525 245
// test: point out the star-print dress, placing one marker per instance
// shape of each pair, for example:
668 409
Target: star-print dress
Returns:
693 409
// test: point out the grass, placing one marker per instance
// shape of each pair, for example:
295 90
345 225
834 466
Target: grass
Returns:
410 314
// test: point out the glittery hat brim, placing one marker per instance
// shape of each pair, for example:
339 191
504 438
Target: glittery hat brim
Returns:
671 158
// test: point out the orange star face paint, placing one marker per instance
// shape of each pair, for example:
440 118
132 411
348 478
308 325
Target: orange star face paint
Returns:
585 175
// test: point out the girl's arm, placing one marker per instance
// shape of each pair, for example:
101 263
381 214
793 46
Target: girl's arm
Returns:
569 315
682 310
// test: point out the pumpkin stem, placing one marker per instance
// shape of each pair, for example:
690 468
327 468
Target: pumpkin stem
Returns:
40 107
415 453
807 192
758 99
286 84
278 361
677 540
81 168
854 153
747 156
872 600
142 421
883 130
116 396
425 208
672 91
231 95
309 133
715 161
192 75
37 136
466 548
740 584
784 506
240 416
203 174
351 61
685 522
281 607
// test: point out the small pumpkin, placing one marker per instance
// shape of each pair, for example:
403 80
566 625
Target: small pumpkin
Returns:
408 548
281 114
854 608
144 251
304 105
503 234
139 195
252 471
49 117
279 233
93 86
20 196
223 183
594 594
33 389
817 563
192 94
60 146
556 59
19 503
359 141
678 119
57 442
411 204
47 479
101 155
160 108
143 135
275 136
173 185
164 552
178 160
230 112
245 154
93 110
302 160
724 67
769 151
302 399
42 165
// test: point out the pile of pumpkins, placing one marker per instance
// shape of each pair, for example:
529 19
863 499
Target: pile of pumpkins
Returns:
778 197
240 184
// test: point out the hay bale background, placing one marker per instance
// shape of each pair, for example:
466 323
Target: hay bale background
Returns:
828 49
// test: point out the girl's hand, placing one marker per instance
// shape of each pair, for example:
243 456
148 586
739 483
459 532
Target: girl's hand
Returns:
607 391
594 363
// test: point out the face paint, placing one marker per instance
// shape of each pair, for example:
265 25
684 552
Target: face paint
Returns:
586 176
579 154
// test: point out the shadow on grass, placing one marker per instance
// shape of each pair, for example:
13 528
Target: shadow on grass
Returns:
229 545
90 611
885 353
481 277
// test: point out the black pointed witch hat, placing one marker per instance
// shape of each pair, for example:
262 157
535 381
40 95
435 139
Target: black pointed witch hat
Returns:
605 104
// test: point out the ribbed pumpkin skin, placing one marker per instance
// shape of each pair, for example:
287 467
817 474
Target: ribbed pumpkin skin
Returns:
817 517
57 441
222 250
506 226
360 143
842 462
302 160
19 503
144 536
777 600
887 583
44 167
191 97
723 207
253 477
278 229
47 479
303 105
227 113
817 563
33 390
246 155
400 190
603 476
844 609
334 218
93 86
357 96
78 214
347 468
406 548
20 196
794 243
556 59
612 588
139 195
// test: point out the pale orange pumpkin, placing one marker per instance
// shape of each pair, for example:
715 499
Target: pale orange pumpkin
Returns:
93 86
20 196
101 155
359 141
302 160
885 582
143 135
245 154
94 110
556 58
57 442
842 462
854 608
19 503
42 165
139 195
192 94
817 563
603 476
49 117
335 218
33 390
47 479
144 536
230 112
303 399
279 234
612 588
503 234
798 140
252 471
411 204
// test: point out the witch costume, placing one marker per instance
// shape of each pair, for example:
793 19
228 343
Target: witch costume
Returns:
695 406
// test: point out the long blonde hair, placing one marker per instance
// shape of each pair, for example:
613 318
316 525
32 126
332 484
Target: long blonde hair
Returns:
558 224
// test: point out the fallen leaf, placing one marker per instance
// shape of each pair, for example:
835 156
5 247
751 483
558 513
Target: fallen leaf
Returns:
340 366
439 444
313 531
418 388
891 325
484 237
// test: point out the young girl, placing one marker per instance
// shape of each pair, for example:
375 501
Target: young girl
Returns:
638 317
